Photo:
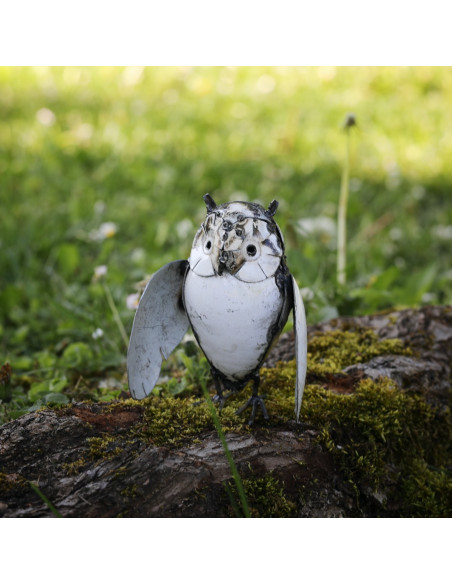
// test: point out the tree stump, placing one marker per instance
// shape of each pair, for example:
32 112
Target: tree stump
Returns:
99 460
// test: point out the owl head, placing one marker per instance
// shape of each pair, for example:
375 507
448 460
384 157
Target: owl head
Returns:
239 239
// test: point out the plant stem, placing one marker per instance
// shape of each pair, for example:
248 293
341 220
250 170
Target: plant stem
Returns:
234 471
342 210
115 312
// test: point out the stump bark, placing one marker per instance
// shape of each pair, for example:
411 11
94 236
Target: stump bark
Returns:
287 469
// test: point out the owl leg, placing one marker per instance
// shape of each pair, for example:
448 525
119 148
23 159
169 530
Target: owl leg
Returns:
254 402
220 398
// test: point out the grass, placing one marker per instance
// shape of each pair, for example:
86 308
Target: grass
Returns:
107 167
49 504
235 475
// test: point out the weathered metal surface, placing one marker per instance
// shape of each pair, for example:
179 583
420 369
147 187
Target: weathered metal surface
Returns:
301 346
158 327
249 248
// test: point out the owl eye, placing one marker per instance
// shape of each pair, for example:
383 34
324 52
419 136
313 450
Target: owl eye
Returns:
208 245
251 250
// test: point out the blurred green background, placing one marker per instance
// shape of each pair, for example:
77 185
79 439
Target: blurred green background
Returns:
107 167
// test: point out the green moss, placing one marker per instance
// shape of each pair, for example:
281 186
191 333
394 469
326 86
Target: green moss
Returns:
12 482
331 352
428 490
103 447
265 496
277 385
99 448
73 468
382 438
60 408
376 425
123 404
379 435
173 420
130 492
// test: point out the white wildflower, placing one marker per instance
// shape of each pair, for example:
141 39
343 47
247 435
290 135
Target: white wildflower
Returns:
322 225
105 231
443 232
307 293
108 229
98 333
132 301
100 272
396 233
45 117
428 297
110 383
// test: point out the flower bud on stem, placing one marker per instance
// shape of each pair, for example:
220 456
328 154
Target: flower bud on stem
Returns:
350 121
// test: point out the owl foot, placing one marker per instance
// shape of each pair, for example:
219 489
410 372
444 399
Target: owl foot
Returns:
220 399
254 402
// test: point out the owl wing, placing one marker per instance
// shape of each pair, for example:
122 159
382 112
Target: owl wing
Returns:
301 345
159 325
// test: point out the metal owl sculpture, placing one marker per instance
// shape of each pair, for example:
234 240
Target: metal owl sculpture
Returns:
235 291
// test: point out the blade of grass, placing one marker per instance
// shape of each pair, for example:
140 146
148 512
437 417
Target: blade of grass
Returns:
40 494
112 305
232 499
234 471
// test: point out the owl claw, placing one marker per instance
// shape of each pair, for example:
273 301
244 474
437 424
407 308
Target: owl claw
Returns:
220 399
254 402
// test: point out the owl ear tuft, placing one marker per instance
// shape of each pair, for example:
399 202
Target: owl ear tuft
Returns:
272 208
210 203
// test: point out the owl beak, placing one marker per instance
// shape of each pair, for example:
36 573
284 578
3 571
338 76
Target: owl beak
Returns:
229 261
225 262
226 255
